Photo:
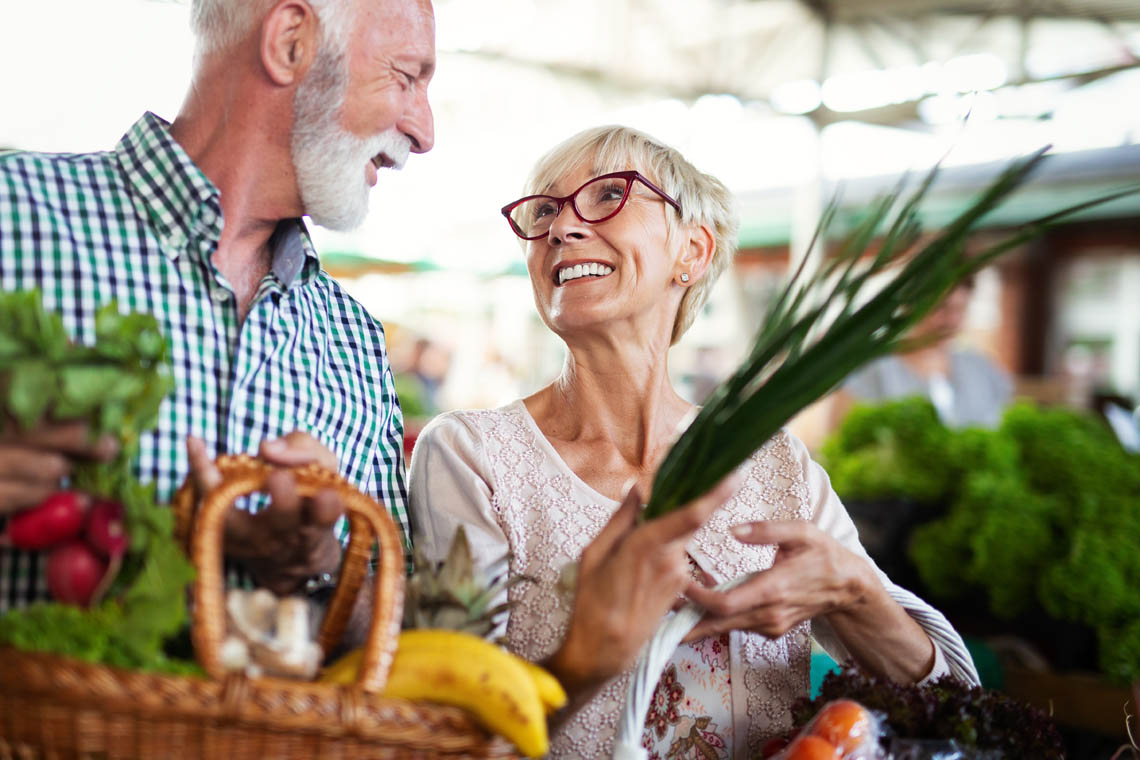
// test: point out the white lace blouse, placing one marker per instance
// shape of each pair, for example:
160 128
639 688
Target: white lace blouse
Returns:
495 473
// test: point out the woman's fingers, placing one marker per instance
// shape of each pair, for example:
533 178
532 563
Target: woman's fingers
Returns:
786 533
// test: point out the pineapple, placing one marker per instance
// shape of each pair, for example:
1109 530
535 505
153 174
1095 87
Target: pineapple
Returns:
453 594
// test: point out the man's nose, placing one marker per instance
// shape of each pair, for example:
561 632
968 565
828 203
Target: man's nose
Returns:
419 124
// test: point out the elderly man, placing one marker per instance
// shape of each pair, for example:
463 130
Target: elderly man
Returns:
294 107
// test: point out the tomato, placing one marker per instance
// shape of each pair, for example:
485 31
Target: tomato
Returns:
809 747
846 724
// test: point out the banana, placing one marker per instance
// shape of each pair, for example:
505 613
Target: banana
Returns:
451 667
550 691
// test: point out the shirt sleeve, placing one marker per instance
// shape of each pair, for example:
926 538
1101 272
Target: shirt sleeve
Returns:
451 486
828 512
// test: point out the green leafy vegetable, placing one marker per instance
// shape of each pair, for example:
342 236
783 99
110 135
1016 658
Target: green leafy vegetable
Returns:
116 386
1043 513
973 717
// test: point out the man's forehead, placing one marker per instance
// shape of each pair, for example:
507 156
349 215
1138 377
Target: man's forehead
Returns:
400 28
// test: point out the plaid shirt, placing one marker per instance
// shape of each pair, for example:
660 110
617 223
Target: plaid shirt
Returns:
139 225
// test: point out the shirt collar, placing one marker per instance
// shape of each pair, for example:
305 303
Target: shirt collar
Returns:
183 204
178 199
294 259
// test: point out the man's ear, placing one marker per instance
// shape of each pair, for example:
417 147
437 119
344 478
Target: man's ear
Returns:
289 39
697 254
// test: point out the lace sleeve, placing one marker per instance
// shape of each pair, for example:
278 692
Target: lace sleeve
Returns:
451 485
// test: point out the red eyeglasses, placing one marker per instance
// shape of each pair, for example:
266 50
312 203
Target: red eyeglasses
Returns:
594 202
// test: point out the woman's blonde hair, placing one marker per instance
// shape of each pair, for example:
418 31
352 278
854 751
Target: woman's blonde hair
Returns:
704 199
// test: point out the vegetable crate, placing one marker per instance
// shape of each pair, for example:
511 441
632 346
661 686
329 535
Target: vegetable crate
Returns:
56 707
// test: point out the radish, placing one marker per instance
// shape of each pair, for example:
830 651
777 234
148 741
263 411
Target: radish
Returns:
105 531
74 572
58 518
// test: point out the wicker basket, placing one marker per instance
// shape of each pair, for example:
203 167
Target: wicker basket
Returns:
55 707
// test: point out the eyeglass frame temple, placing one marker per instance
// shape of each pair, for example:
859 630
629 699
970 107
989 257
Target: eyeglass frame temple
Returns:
630 175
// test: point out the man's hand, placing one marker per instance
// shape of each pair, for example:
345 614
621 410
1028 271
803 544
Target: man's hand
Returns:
628 578
291 539
32 463
812 574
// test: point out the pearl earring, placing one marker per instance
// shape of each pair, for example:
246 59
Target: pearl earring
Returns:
684 276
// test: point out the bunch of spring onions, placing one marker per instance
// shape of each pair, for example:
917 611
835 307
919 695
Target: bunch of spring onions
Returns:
827 324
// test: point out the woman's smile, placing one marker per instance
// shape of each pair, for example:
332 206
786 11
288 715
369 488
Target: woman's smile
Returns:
576 271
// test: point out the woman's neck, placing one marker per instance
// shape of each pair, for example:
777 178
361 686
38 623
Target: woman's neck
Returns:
609 396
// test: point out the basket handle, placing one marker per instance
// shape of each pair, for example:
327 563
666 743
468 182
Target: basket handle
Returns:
202 533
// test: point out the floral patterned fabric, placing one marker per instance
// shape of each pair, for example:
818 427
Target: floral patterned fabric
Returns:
494 472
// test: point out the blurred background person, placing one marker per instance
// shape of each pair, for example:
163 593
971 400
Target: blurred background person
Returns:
964 385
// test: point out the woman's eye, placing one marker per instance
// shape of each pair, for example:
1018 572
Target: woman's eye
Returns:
542 210
612 192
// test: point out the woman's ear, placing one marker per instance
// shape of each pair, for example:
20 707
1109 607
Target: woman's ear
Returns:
699 244
289 41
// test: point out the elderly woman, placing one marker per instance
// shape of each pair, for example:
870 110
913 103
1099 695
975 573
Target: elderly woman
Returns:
624 239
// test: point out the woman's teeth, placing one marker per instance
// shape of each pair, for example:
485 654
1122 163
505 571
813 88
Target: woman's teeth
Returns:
582 270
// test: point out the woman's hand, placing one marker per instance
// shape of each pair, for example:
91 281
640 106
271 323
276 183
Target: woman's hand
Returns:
628 578
811 575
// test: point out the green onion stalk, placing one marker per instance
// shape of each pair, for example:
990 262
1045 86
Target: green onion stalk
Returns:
826 324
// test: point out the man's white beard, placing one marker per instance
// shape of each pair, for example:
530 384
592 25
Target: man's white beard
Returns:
330 162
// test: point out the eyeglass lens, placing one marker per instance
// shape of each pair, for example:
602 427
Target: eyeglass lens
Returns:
596 200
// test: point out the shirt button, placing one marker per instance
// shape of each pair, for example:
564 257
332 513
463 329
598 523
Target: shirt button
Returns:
220 295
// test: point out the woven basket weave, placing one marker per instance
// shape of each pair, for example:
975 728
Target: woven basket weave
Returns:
55 707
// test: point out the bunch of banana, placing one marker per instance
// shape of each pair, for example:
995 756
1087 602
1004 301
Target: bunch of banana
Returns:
510 696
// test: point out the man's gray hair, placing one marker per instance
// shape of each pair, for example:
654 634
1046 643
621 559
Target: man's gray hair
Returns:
218 24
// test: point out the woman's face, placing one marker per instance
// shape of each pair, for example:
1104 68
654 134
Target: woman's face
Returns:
632 255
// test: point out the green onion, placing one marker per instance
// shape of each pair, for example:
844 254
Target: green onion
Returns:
825 325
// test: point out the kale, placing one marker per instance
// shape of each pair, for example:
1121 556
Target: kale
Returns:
1042 514
898 449
946 709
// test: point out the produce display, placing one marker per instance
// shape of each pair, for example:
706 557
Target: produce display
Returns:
1043 513
861 716
113 568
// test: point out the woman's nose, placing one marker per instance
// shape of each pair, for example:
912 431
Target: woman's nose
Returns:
566 226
